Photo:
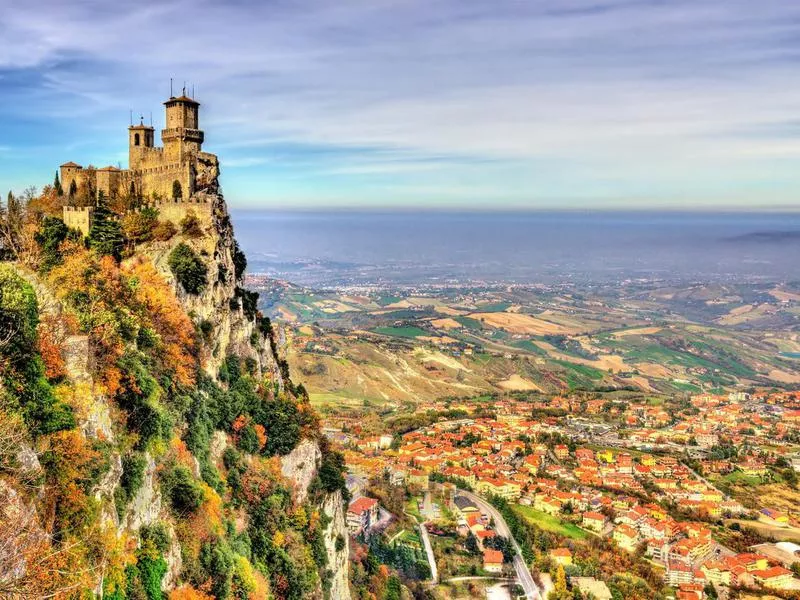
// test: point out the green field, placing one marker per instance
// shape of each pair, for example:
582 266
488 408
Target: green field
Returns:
469 323
530 347
403 332
740 478
496 307
580 375
550 523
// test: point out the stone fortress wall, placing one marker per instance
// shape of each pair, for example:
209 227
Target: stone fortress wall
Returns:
78 217
174 211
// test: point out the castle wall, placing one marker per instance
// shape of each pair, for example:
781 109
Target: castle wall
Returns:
109 182
78 217
176 211
159 179
70 174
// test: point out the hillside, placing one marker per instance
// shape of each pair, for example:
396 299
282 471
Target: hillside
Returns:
396 345
152 443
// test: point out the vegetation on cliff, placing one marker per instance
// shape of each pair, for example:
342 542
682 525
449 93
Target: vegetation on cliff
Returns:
127 470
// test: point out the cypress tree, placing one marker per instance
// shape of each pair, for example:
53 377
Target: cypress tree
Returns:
57 185
105 234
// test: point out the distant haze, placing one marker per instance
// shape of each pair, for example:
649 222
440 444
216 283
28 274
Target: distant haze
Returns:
437 247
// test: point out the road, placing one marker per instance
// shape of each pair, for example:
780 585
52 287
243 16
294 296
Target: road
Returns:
523 574
423 534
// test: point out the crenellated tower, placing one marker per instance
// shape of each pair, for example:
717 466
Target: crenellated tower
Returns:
181 136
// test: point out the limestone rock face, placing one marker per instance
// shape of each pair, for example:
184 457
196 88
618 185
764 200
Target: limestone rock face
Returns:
19 530
104 491
145 506
174 562
28 460
219 441
338 563
300 466
218 306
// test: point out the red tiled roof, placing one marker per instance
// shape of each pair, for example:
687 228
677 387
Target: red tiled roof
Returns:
359 505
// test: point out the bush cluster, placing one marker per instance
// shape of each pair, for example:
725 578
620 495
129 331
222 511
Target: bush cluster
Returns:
188 268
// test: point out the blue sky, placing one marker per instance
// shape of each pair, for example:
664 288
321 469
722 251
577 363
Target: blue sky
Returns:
423 103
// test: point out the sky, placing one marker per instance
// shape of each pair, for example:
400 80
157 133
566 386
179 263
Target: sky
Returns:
478 104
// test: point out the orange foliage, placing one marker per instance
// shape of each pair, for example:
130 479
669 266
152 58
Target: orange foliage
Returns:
261 591
48 203
258 481
50 344
70 461
182 454
261 434
240 423
111 303
175 329
187 592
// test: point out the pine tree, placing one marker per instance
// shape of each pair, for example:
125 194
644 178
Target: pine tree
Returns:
73 189
57 185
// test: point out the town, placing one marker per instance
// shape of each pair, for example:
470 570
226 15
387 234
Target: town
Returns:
652 498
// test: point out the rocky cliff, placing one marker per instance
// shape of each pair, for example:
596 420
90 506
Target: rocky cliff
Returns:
219 307
195 480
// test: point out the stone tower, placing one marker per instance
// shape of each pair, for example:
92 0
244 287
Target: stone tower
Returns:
181 136
140 137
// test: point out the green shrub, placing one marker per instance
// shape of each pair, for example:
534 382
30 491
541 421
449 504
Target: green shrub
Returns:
133 467
51 233
206 329
155 535
151 572
188 269
281 419
22 369
249 302
184 493
239 261
248 440
217 560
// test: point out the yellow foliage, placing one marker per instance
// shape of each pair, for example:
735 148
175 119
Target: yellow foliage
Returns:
299 518
278 539
187 592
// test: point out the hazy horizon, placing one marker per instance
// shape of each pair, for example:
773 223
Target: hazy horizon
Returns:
333 248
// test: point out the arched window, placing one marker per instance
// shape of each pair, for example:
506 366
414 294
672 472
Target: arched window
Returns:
136 139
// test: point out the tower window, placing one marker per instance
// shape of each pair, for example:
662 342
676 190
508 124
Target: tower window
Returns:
136 139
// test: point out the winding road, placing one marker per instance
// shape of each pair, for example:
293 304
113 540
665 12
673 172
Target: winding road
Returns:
523 574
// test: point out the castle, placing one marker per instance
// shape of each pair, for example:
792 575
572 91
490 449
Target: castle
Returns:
166 176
